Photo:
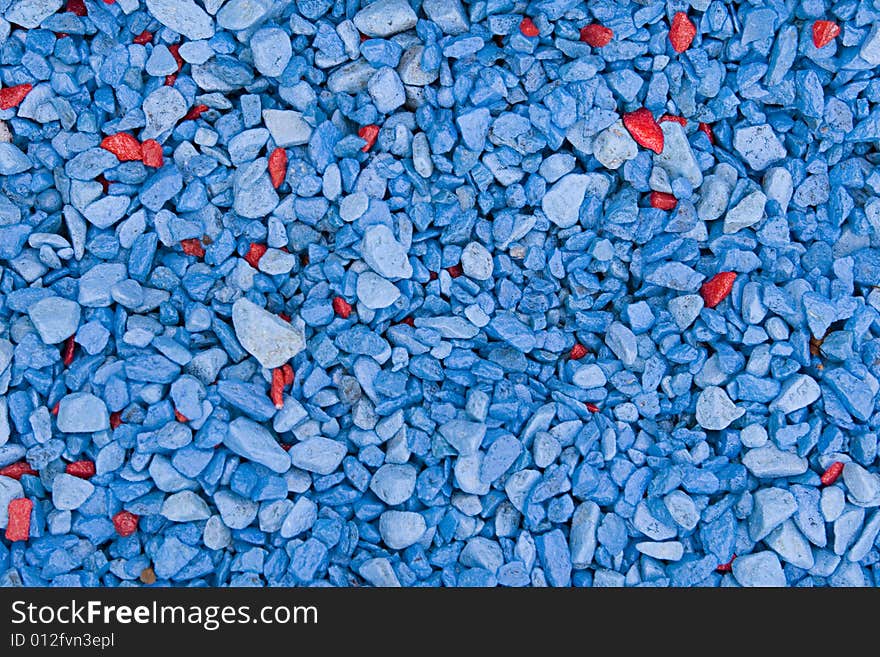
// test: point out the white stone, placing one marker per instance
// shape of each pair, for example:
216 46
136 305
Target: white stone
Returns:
614 146
276 261
748 212
375 292
715 411
778 186
385 18
562 202
55 318
677 158
384 254
265 336
476 262
287 127
759 145
184 17
81 412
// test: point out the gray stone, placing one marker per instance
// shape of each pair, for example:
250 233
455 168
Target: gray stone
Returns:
216 535
778 186
394 484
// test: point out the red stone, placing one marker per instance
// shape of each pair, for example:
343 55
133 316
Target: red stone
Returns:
432 276
287 371
18 527
726 567
276 391
77 7
82 469
125 147
716 289
824 32
180 417
706 129
169 82
592 407
17 470
680 120
143 38
105 184
455 271
528 28
56 408
369 133
195 112
175 52
644 129
152 153
193 247
277 167
285 317
596 35
682 32
341 307
126 523
831 473
409 321
68 350
578 351
663 201
12 96
255 252
115 419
